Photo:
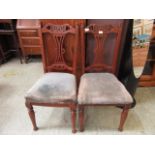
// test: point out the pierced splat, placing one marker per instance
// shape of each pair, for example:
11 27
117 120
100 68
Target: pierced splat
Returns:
99 49
58 33
101 33
60 51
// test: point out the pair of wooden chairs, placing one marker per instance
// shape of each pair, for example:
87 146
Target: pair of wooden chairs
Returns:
98 85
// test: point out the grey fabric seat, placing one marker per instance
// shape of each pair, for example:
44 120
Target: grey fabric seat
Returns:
53 88
102 88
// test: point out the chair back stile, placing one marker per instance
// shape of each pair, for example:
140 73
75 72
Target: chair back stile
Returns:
58 33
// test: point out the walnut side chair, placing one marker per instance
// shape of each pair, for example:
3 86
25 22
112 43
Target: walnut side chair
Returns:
99 85
57 87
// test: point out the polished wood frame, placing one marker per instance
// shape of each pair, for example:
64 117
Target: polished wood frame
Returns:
100 34
58 32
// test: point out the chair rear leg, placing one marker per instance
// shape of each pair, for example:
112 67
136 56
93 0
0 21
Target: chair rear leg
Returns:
124 115
32 115
81 118
73 119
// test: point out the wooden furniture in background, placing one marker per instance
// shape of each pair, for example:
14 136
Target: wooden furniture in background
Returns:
56 89
99 85
30 37
148 77
8 40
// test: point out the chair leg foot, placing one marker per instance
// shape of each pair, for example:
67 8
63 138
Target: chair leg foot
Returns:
124 115
81 118
35 129
31 115
73 119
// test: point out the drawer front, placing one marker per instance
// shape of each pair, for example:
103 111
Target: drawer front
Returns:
32 50
30 41
28 33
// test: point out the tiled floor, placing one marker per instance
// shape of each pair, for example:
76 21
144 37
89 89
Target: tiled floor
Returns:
16 79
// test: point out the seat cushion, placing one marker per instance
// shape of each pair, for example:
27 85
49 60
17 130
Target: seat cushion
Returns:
53 88
102 88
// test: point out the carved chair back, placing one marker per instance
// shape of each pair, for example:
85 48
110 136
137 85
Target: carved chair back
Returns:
55 38
103 51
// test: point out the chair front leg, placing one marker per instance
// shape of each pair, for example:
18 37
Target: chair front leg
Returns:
124 115
32 115
81 118
73 118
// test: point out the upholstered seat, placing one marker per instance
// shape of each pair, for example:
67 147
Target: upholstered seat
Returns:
102 88
53 88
